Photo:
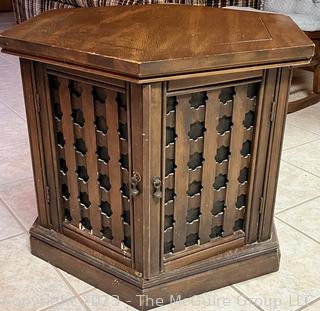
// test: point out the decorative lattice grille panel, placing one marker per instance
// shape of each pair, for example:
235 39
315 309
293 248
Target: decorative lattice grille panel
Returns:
209 138
92 146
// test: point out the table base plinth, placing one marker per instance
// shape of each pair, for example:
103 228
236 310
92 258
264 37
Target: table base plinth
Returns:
238 265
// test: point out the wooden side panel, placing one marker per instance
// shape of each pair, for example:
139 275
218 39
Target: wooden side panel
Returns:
151 158
48 143
259 154
276 140
35 137
136 100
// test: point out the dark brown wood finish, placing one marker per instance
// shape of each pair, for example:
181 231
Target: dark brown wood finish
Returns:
48 142
264 118
252 260
275 145
35 136
151 44
181 172
234 166
209 165
156 152
113 144
135 93
68 134
6 5
92 165
220 219
151 146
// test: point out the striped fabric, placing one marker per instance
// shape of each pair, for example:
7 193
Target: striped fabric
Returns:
257 4
25 9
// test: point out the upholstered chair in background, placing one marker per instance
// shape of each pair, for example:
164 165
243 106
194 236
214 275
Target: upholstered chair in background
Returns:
306 14
25 9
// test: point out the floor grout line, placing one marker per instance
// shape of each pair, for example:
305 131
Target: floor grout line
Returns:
298 230
13 145
14 215
56 304
14 111
312 302
8 59
311 141
23 143
76 294
83 303
13 236
87 290
296 205
300 168
15 181
301 128
246 297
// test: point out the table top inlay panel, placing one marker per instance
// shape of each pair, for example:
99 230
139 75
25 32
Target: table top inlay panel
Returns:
153 40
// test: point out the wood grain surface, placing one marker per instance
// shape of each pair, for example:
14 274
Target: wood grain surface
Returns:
157 40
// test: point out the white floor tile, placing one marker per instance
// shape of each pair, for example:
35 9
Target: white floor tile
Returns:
313 307
27 283
307 119
225 299
297 281
70 305
11 135
8 224
76 283
295 136
15 163
306 156
305 217
295 186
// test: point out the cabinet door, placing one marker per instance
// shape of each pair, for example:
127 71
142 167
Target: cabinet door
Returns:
146 120
86 141
214 155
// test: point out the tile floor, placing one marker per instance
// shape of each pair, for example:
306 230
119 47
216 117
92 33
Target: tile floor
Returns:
28 283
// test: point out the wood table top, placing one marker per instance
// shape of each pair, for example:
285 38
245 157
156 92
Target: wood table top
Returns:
159 40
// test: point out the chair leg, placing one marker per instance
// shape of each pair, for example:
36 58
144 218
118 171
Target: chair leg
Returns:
314 97
316 80
311 99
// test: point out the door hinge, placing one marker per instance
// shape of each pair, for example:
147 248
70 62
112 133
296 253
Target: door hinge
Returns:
48 195
261 207
273 111
37 100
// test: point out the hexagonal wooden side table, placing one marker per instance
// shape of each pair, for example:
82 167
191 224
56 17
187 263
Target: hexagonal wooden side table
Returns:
156 135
